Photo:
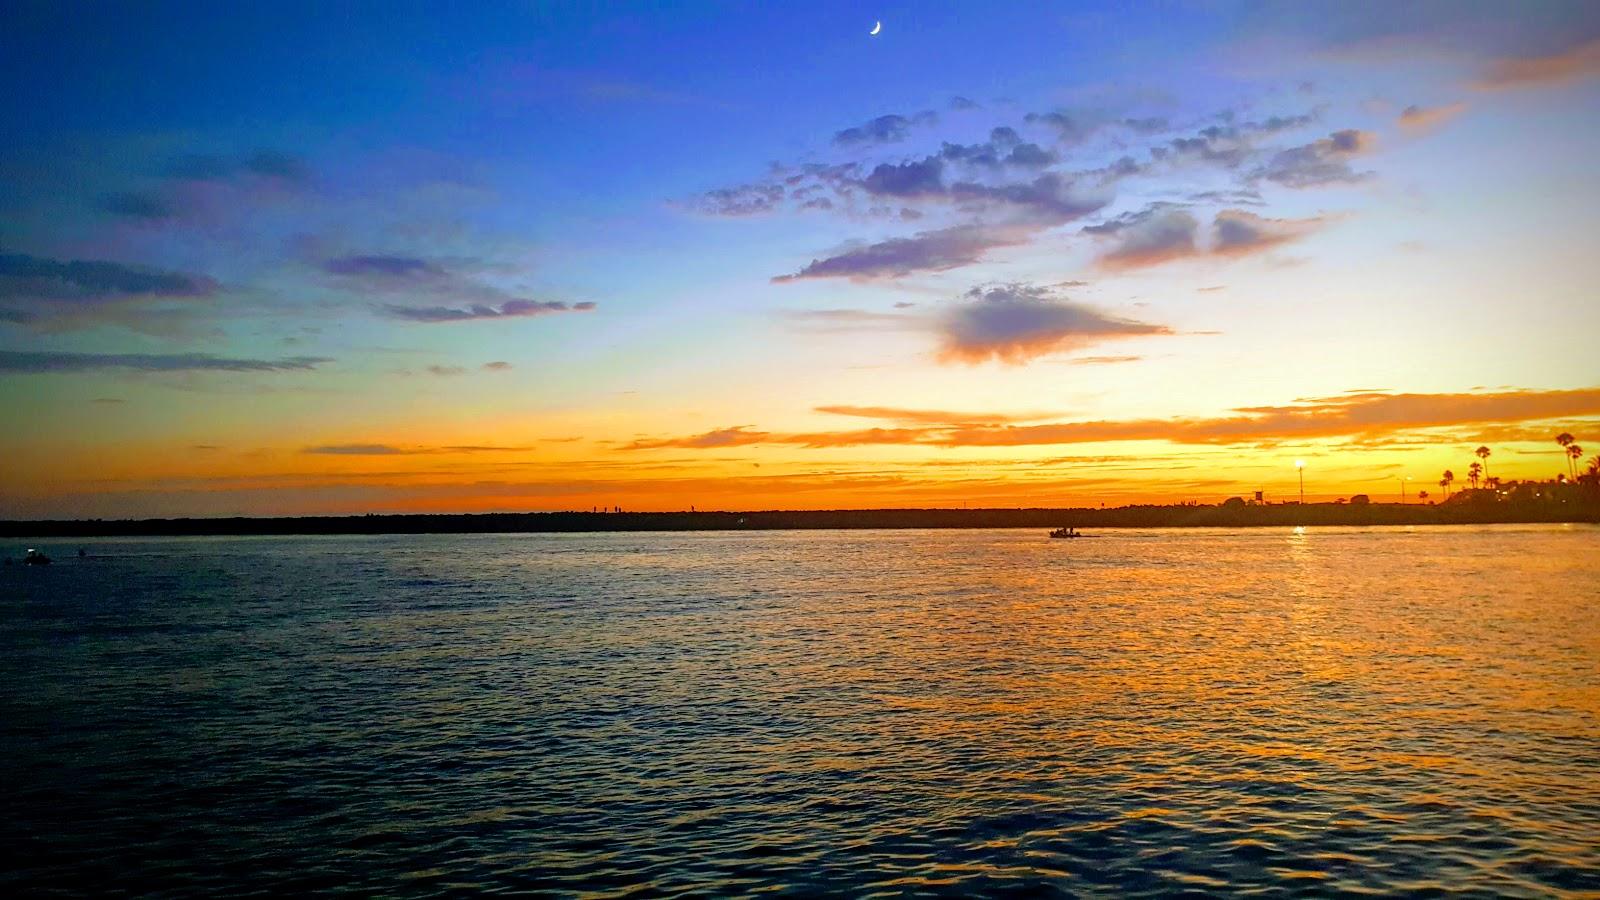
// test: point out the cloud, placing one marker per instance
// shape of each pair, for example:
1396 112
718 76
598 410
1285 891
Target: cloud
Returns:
51 294
1102 360
1239 233
1014 323
743 200
913 179
1366 415
850 319
52 361
395 450
1322 162
1159 233
136 205
1067 129
497 366
400 274
1048 200
1419 119
446 371
383 266
262 164
355 450
35 278
1578 62
884 129
736 436
927 251
511 309
962 103
930 416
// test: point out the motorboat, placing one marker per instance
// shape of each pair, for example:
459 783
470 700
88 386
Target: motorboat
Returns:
35 558
1065 533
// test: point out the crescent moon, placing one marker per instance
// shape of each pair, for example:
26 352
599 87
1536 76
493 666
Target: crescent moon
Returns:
877 27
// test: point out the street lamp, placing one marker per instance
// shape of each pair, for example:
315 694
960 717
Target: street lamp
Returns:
1300 466
1403 481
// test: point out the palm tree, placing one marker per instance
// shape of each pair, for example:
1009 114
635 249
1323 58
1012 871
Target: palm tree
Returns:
1565 440
1445 482
1493 482
1483 454
1422 495
1473 472
1574 455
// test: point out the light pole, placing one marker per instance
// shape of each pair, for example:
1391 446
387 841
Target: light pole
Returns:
1403 480
1300 466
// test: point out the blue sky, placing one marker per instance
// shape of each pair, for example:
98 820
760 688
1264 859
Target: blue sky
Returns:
646 250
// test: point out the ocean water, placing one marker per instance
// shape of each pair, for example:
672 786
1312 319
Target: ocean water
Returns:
870 713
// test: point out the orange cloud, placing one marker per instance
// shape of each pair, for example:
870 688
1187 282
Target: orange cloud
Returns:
932 416
1365 414
1418 119
1581 61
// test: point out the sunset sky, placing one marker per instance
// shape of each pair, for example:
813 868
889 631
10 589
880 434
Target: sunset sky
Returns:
345 258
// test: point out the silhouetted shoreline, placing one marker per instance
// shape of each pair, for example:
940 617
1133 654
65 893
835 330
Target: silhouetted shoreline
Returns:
1148 516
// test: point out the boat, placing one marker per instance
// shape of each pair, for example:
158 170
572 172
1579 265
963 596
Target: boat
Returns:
1065 533
35 558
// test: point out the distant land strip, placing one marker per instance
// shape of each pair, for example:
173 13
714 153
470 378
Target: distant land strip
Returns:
1153 516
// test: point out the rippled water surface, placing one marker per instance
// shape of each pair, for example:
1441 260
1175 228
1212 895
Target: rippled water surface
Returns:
890 712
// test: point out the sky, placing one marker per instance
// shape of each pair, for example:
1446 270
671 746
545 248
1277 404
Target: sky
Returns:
283 259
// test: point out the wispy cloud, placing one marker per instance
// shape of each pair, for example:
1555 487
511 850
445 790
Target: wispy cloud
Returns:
391 274
927 251
1578 62
511 309
52 361
1369 416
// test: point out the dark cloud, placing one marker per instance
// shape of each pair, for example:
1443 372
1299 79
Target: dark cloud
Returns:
1153 125
1322 162
497 366
882 130
962 103
382 266
508 310
1050 199
136 205
1014 323
1067 129
393 274
927 251
268 164
272 164
36 278
913 179
52 361
54 294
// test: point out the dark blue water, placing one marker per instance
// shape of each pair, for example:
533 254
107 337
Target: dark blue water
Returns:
858 713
